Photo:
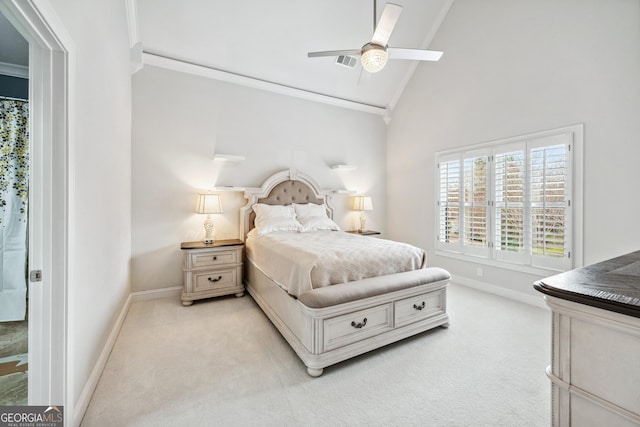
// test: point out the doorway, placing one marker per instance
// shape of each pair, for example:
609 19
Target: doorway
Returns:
48 218
14 184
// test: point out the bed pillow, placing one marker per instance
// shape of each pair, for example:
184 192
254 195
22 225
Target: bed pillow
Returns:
270 218
310 209
314 217
312 223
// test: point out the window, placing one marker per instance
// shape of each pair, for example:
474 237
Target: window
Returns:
509 201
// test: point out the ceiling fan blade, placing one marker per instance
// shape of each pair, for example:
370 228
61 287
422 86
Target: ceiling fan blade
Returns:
414 54
352 52
385 26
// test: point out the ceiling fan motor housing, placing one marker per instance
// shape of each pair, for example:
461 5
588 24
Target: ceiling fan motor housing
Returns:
373 57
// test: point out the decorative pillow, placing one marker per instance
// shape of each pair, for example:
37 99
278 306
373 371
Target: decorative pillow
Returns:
312 223
264 211
314 217
275 218
310 209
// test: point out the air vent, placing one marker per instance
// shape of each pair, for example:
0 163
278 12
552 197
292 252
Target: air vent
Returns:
346 61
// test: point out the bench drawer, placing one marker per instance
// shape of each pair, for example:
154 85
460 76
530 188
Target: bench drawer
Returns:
349 328
419 307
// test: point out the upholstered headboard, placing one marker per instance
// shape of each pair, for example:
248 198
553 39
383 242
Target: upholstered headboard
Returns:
288 192
283 188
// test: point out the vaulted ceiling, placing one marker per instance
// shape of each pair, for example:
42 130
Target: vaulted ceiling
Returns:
269 40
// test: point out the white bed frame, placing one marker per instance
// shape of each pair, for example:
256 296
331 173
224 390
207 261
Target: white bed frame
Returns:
330 334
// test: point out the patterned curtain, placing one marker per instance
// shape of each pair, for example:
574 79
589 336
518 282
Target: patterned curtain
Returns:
14 185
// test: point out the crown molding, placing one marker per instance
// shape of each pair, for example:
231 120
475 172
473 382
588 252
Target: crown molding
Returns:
132 23
225 76
14 70
135 41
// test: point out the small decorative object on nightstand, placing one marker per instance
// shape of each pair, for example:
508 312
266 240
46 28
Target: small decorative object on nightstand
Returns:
212 270
365 232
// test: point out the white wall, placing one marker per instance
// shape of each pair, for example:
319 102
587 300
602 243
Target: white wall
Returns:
100 183
180 120
513 67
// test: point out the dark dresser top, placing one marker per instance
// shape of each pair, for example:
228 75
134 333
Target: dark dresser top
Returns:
612 285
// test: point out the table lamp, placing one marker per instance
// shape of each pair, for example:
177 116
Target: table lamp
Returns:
208 204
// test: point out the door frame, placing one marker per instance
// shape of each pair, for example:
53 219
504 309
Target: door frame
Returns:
50 72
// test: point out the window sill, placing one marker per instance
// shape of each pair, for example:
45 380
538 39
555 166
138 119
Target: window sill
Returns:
538 271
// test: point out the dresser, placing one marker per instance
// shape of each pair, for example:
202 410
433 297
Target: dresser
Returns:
595 356
211 270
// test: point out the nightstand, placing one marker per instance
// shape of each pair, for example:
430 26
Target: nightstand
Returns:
365 232
212 270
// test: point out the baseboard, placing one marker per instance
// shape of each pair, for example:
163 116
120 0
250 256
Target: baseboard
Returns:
83 402
500 291
91 384
156 294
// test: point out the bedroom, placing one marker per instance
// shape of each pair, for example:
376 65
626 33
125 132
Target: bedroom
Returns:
511 68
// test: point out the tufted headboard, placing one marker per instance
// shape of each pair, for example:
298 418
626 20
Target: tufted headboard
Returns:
283 188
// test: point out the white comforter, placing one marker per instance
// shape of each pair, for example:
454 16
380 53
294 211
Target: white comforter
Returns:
299 262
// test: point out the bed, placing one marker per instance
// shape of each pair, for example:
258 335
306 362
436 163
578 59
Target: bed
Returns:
337 314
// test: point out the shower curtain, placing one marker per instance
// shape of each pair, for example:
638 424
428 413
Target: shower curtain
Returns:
14 185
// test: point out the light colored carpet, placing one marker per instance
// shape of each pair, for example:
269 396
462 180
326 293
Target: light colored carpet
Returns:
221 362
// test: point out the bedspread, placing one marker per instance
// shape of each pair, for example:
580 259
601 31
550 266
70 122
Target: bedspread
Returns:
303 261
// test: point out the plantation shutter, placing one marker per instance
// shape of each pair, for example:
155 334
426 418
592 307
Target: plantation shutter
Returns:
510 169
450 175
510 201
476 207
550 206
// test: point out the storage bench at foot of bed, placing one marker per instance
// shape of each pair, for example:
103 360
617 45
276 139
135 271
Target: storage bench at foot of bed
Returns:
328 325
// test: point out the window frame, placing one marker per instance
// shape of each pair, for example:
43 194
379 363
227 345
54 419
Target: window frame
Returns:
522 261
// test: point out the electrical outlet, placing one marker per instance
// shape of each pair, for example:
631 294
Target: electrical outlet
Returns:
479 272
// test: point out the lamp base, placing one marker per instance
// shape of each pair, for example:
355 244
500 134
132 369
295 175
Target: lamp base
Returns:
208 228
363 220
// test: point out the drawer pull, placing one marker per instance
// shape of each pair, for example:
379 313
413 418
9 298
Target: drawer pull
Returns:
359 325
419 307
215 280
215 258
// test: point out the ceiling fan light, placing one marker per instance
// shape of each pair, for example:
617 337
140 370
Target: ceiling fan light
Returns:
373 58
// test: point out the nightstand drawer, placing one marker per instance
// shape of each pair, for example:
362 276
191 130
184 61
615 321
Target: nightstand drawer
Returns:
210 259
215 279
417 308
352 327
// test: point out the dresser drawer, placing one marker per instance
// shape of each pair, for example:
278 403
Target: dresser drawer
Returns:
420 307
219 279
209 259
349 328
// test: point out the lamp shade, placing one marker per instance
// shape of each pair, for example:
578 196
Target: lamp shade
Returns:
208 204
362 203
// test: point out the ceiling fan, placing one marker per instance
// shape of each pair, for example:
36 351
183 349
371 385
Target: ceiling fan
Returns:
374 54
